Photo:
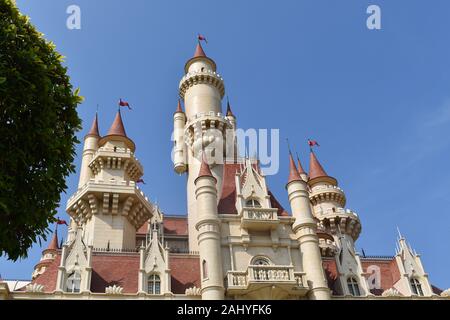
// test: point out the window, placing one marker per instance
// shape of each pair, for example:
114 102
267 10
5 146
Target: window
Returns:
260 261
154 284
416 287
353 287
205 269
73 282
253 203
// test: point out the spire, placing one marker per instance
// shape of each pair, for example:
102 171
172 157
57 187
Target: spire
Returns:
316 170
299 166
53 245
117 128
94 127
229 112
179 109
204 168
199 51
293 172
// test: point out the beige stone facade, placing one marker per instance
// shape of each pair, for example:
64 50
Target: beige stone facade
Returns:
236 242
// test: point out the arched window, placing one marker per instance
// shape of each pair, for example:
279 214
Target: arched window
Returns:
260 261
205 269
253 203
74 282
154 284
416 286
353 287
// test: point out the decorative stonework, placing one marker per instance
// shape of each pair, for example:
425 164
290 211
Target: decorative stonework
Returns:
114 289
34 288
392 292
445 293
193 291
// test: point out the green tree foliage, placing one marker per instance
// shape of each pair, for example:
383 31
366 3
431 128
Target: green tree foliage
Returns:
38 122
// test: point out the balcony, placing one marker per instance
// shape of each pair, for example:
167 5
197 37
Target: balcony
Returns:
257 277
259 218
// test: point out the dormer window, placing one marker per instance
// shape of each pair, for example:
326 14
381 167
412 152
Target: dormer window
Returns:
416 287
252 203
74 282
353 287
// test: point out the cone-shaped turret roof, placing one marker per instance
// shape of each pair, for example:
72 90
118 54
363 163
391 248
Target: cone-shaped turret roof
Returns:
53 245
293 172
300 167
199 55
316 170
205 171
94 127
199 52
229 112
117 132
117 128
179 109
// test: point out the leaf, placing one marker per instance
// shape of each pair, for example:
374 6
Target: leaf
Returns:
2 80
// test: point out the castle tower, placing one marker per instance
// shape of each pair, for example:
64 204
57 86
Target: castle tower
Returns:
89 148
48 255
304 228
109 206
202 90
209 240
328 201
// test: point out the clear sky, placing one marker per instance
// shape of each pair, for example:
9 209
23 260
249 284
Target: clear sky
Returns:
378 101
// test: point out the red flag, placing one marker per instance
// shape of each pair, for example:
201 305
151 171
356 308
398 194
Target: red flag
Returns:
61 222
313 143
140 181
124 104
202 38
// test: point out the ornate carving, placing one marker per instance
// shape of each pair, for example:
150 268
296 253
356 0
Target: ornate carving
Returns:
114 289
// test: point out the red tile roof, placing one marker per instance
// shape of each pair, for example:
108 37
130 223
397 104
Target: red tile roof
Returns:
179 109
205 171
94 127
117 128
390 274
199 51
315 168
115 269
48 278
176 226
53 245
185 271
293 172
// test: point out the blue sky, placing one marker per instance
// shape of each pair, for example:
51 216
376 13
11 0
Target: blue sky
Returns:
378 102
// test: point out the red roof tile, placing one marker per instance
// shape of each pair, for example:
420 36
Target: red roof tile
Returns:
293 172
117 128
185 271
115 269
199 51
205 171
179 109
176 226
53 245
94 127
315 168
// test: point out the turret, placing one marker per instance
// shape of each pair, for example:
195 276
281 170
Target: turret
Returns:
304 228
89 148
110 207
48 255
202 90
328 201
208 227
179 155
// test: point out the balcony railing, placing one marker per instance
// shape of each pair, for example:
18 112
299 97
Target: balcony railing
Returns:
257 275
259 218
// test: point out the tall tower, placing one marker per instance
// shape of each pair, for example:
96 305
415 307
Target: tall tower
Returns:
304 228
108 206
208 227
202 90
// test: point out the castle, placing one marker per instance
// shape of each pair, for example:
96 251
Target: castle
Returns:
236 242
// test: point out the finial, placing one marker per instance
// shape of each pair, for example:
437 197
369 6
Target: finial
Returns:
399 234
